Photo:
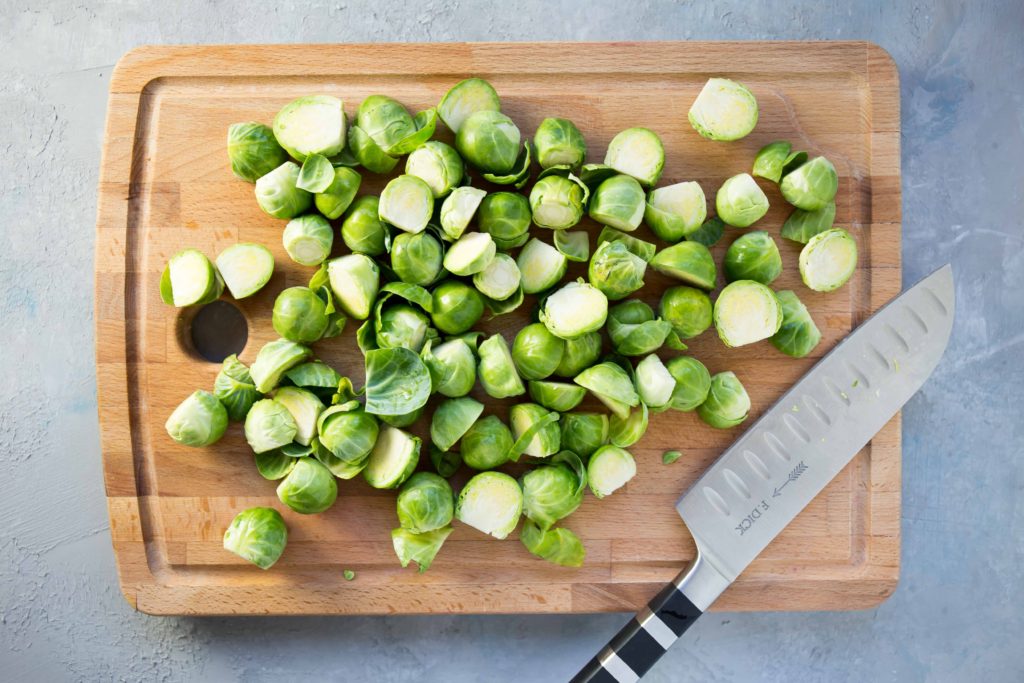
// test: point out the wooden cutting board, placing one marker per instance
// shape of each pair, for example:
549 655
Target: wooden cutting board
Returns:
166 184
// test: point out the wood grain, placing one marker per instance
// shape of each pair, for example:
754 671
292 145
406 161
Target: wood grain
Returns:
166 184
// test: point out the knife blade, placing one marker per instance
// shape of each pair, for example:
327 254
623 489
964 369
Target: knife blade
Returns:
762 482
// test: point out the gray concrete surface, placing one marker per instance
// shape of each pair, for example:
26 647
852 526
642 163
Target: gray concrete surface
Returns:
956 615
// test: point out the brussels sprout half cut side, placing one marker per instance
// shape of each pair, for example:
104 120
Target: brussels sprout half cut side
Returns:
541 266
727 404
199 420
470 254
753 256
491 502
393 459
458 210
690 262
257 535
246 267
189 278
654 383
557 202
253 150
811 185
465 99
637 152
497 371
676 211
438 165
311 125
724 110
740 201
798 335
407 203
574 310
500 279
308 239
746 312
828 260
355 280
535 430
608 470
305 408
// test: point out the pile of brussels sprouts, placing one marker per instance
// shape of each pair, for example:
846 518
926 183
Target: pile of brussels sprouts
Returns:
434 254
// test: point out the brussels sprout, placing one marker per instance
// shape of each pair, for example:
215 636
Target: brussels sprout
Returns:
798 335
520 173
189 279
425 503
619 202
273 360
557 203
309 488
740 202
810 186
676 211
452 419
802 225
828 260
305 408
489 140
335 199
692 383
470 254
200 420
452 367
637 152
559 546
368 153
724 110
727 403
608 470
425 123
487 444
458 209
575 246
402 325
624 432
362 230
393 459
234 388
436 164
634 330
257 535
311 125
397 382
465 99
580 353
690 262
342 469
277 194
490 502
536 352
637 247
497 370
355 280
753 256
418 548
770 160
541 266
456 307
269 425
402 420
316 174
574 310
407 203
616 271
554 491
584 433
535 430
253 150
386 121
500 279
505 216
245 268
746 312
299 315
688 310
308 239
416 258
654 383
559 143
348 431
610 384
274 465
558 396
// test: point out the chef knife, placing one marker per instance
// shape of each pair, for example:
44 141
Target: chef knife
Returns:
763 481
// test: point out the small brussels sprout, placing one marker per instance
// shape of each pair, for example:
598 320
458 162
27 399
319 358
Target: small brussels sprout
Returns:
316 174
688 310
458 210
676 211
465 99
580 353
190 279
269 425
235 389
245 268
348 431
497 370
608 470
556 202
273 360
368 153
386 121
362 230
558 546
418 548
553 491
727 404
770 160
257 535
309 488
489 140
535 430
811 185
393 459
740 202
425 503
624 432
753 256
500 279
416 258
692 383
335 199
505 216
584 433
397 382
619 202
452 419
559 143
574 310
491 502
724 110
311 125
305 408
610 384
558 396
637 247
575 246
308 239
637 152
541 266
746 312
456 307
470 254
253 150
634 330
690 262
277 194
536 352
487 444
616 271
452 367
798 335
828 260
802 225
407 203
709 233
200 420
299 315
436 164
355 280
654 383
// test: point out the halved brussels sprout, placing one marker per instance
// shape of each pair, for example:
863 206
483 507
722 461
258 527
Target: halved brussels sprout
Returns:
574 310
558 396
386 121
541 266
396 323
584 433
277 194
693 381
190 279
487 444
491 502
654 383
610 384
497 371
299 315
554 491
724 110
828 260
535 430
456 307
257 535
355 280
418 548
273 360
316 174
425 503
199 420
335 199
407 203
740 201
624 432
810 186
253 150
500 279
558 546
235 389
619 202
580 353
305 408
634 330
753 256
676 211
311 125
643 249
368 153
557 202
709 233
458 210
637 152
470 254
308 239
393 459
690 262
574 246
616 271
727 404
770 160
465 99
269 425
245 268
505 216
798 335
436 164
417 258
362 230
559 143
688 310
608 470
452 367
802 225
452 419
490 141
309 488
348 431
536 352
397 382
746 312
